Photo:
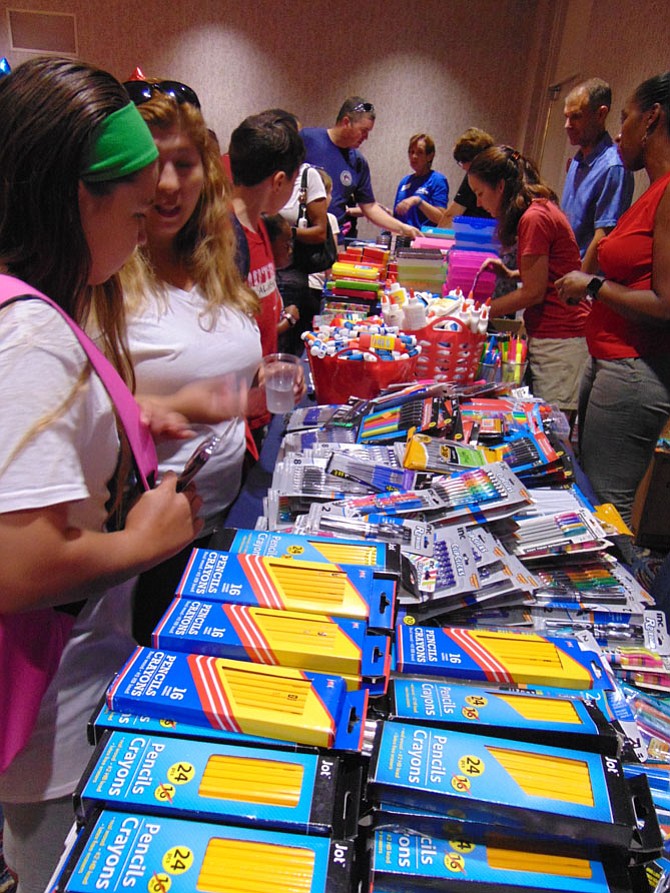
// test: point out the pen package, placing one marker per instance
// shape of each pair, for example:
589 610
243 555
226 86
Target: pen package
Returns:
155 775
277 638
452 567
378 556
281 702
404 862
548 791
489 655
338 590
523 716
122 850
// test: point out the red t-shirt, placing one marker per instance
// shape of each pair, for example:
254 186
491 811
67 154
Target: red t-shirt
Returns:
626 256
263 281
544 230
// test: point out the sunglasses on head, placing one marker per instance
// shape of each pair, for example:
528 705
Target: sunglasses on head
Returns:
366 107
142 91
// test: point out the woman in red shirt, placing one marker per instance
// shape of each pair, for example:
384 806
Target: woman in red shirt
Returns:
509 187
625 397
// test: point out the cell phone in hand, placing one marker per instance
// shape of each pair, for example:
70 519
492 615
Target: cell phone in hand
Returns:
197 459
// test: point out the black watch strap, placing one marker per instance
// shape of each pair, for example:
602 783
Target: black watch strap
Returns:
594 287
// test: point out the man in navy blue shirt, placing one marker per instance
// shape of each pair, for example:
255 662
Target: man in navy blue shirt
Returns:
335 149
597 188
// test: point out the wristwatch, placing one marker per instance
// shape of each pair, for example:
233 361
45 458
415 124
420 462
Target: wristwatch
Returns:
594 287
291 320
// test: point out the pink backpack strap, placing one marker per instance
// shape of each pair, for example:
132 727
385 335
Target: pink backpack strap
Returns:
138 434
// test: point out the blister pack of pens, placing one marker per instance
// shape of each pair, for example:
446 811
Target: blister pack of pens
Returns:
550 791
305 475
339 590
521 715
376 478
280 702
405 862
297 441
278 638
155 775
432 412
561 533
451 568
123 850
378 556
472 496
423 453
490 655
333 518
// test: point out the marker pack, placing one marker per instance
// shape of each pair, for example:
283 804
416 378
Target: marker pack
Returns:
155 775
339 590
120 850
280 702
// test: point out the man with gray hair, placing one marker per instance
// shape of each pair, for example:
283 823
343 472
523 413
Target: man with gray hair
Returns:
597 188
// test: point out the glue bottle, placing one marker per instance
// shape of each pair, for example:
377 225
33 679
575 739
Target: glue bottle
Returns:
414 316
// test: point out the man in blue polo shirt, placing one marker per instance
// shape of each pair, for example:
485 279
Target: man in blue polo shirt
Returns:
597 188
335 149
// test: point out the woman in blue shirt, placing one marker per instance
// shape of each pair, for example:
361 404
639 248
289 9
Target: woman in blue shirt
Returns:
422 196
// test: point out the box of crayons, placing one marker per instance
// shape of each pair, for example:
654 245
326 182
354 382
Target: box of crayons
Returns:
304 793
378 556
523 716
489 655
287 584
284 638
559 794
281 702
404 862
122 850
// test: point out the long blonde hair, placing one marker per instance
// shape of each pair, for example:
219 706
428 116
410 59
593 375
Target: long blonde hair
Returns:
206 244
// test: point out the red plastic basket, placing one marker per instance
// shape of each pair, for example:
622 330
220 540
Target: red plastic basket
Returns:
450 351
336 378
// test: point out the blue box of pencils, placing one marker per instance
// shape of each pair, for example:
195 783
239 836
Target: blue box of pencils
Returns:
381 557
124 850
483 655
524 716
338 590
278 638
552 792
104 719
280 702
404 862
155 775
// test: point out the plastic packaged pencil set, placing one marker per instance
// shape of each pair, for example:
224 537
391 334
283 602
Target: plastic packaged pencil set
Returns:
440 678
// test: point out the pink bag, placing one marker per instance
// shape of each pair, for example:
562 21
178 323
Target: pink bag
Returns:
31 644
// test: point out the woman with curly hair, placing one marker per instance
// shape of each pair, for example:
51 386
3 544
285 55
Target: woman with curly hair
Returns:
509 187
190 316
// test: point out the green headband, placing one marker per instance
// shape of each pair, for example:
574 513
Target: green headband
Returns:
121 145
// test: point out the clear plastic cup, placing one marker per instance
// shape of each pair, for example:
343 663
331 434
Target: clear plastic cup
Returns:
512 372
281 374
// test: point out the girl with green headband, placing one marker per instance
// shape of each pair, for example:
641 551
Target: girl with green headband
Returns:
78 176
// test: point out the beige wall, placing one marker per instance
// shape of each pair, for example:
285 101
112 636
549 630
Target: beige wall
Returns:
457 63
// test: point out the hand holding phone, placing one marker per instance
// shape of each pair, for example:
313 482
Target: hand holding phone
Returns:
196 461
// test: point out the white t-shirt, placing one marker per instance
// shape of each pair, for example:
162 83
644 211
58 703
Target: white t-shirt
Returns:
69 461
317 280
315 191
174 342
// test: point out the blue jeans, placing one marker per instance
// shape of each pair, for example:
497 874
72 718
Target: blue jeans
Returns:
623 405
